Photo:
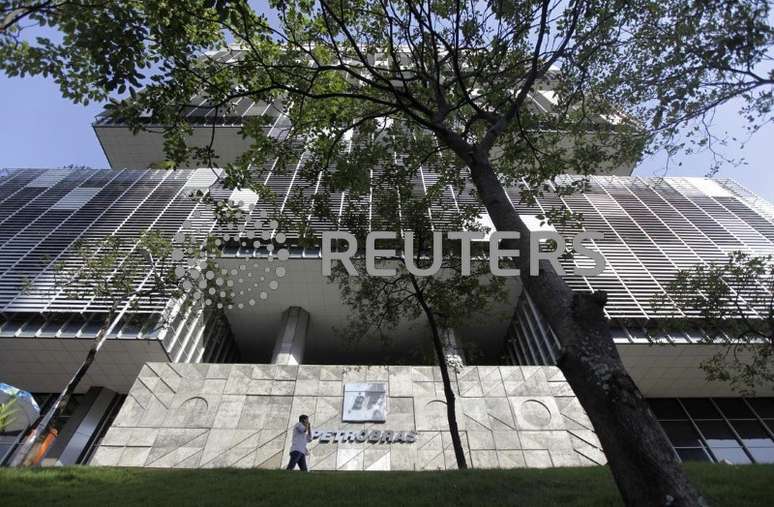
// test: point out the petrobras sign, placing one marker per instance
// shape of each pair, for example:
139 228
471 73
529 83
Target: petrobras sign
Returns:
362 436
364 403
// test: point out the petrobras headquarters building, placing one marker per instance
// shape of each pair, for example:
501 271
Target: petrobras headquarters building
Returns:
221 385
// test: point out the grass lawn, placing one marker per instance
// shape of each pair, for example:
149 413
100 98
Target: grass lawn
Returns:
722 484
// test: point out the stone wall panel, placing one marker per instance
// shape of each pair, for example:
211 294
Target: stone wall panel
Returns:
222 415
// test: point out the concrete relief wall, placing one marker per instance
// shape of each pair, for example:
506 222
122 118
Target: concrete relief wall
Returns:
223 415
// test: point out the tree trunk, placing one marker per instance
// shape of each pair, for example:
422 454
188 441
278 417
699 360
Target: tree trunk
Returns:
644 465
451 410
40 428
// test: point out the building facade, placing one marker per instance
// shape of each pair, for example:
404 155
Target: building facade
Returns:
223 385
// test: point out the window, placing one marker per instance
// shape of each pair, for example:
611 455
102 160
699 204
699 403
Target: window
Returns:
700 408
682 433
753 434
717 434
756 439
667 408
696 454
734 455
727 430
104 425
763 406
734 408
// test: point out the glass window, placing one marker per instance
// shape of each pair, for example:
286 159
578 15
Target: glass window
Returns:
763 406
73 325
762 454
32 325
736 456
55 322
681 433
44 400
752 434
94 324
693 455
7 441
667 408
13 323
729 430
130 325
717 434
72 406
734 408
152 327
700 408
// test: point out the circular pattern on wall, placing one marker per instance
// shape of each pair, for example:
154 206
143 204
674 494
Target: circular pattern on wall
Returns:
536 413
253 279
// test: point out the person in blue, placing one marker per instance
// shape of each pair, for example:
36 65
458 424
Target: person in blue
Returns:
302 434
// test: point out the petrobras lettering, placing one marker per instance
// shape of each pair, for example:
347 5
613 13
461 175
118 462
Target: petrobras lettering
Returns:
364 436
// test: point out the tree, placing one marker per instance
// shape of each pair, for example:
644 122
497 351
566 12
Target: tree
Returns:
8 412
119 276
449 297
466 87
691 57
732 304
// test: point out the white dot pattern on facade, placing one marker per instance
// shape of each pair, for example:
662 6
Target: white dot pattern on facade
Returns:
268 277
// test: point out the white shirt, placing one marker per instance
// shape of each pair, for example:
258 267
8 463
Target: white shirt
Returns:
300 438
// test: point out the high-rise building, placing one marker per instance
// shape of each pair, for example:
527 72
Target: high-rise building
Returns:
223 386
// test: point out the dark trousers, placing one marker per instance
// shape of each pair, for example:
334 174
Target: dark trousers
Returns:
297 457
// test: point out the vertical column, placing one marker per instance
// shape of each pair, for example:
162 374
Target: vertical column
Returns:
289 347
452 349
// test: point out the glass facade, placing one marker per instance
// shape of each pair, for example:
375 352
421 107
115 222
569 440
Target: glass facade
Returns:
70 420
725 430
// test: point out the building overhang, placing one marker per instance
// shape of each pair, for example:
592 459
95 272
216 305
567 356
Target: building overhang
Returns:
255 326
675 370
46 365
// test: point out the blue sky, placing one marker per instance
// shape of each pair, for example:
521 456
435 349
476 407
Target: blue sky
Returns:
42 129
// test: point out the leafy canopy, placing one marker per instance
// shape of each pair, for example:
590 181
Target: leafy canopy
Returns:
449 298
533 89
730 304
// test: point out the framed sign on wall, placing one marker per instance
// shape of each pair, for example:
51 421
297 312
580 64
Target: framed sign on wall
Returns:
365 403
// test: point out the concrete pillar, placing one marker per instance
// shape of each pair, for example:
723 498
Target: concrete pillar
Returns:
452 348
289 347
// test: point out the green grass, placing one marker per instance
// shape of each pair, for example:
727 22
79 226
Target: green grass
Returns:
722 484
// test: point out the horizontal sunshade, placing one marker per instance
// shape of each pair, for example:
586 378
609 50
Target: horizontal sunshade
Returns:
49 178
203 178
652 227
76 198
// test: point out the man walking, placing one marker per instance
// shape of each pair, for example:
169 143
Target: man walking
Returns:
302 433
